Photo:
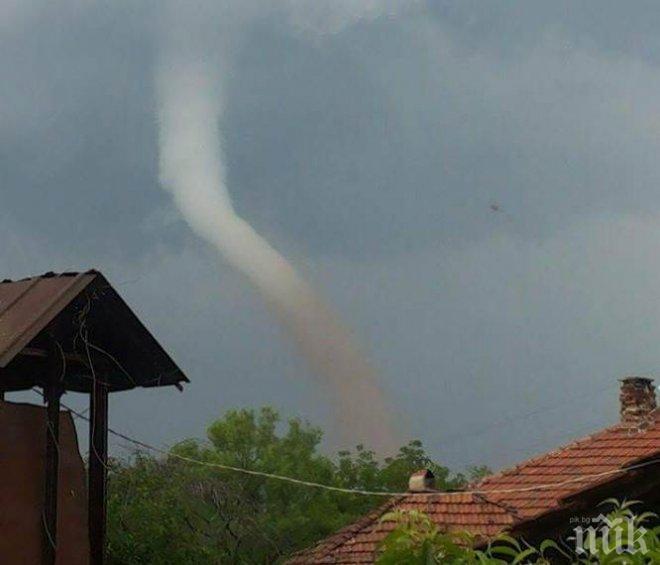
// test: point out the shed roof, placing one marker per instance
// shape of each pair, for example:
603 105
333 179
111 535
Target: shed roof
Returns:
82 322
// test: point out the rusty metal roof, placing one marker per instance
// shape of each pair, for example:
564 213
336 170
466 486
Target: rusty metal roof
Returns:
29 305
90 325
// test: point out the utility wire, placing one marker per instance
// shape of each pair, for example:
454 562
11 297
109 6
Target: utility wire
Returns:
311 484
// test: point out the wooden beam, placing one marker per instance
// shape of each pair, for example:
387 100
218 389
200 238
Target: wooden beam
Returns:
44 353
98 461
52 394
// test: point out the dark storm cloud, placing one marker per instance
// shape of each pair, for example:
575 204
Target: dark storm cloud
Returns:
393 134
373 158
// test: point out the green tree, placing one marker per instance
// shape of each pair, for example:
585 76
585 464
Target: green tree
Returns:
145 519
169 510
363 470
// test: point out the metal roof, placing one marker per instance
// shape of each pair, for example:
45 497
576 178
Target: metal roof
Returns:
79 320
29 305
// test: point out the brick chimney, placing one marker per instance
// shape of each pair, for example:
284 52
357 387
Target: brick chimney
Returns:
637 400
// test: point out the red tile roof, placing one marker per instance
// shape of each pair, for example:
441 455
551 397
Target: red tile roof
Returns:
490 511
603 452
455 511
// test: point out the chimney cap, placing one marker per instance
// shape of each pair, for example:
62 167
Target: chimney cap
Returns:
422 481
636 379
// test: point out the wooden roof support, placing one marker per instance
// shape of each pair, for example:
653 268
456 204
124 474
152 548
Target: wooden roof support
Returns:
43 353
39 318
52 394
98 464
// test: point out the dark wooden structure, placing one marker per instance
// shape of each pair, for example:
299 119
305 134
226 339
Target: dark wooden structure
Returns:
73 332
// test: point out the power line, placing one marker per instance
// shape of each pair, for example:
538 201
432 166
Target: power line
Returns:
332 488
362 492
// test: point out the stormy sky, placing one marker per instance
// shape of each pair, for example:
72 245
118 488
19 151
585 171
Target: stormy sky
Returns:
475 187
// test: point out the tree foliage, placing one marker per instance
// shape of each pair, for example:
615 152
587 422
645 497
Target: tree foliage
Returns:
631 539
167 510
636 535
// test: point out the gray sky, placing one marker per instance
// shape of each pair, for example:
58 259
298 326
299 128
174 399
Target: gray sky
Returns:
370 158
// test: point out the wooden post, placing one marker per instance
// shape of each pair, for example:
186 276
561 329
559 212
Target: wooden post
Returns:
98 460
52 393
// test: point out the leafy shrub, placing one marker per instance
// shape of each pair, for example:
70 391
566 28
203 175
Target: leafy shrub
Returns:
622 537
